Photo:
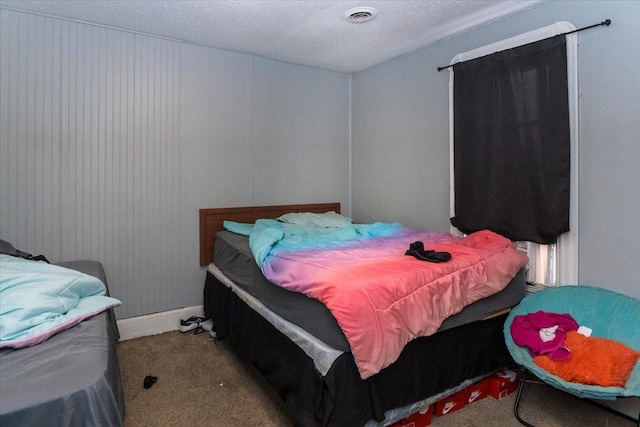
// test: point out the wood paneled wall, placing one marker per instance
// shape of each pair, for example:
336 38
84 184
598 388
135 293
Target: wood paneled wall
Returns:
90 159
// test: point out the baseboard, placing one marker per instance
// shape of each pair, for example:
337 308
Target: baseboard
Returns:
156 323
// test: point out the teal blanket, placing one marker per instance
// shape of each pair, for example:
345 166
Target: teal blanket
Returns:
268 237
38 300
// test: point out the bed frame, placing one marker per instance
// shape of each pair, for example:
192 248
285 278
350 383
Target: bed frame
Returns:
211 220
427 365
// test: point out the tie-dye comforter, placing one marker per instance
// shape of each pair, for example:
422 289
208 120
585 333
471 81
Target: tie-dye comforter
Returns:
382 298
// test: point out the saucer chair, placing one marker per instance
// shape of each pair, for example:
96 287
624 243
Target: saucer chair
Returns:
609 314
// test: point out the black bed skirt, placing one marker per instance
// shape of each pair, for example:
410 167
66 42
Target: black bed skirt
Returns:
426 366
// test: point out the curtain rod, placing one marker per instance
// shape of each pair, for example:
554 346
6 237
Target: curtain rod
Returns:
606 22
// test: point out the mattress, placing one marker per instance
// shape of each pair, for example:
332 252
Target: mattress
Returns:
232 256
72 379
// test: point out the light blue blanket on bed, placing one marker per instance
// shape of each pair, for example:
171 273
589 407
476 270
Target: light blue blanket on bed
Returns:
38 300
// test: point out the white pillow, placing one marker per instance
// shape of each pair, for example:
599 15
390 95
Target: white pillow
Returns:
310 219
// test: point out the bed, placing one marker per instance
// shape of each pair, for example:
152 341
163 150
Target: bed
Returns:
298 347
70 379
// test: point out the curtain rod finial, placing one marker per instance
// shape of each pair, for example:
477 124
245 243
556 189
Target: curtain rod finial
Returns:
606 22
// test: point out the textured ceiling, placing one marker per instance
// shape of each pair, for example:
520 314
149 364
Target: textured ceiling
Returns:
312 33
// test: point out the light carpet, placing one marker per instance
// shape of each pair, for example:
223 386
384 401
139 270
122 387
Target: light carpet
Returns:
201 382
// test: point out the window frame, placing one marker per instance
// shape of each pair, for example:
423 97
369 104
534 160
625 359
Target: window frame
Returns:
567 248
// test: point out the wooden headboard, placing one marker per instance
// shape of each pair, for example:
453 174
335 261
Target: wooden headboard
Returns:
211 220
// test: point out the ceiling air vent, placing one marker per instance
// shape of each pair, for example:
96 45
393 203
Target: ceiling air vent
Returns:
360 15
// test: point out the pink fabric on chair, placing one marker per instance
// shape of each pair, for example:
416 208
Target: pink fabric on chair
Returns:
525 330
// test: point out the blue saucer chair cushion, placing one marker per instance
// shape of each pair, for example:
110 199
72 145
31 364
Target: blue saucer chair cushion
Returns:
611 315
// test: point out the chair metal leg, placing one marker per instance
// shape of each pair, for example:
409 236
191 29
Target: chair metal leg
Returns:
523 381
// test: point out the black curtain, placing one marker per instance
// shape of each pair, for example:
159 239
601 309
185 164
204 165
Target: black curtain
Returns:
512 142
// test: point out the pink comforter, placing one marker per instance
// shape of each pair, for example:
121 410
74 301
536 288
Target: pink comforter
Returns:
382 299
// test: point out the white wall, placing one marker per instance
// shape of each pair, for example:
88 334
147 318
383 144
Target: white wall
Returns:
110 142
400 134
400 142
300 129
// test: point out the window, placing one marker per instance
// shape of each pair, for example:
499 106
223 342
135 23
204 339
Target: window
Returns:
557 263
543 263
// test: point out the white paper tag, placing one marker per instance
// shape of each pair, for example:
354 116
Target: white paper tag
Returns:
585 331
